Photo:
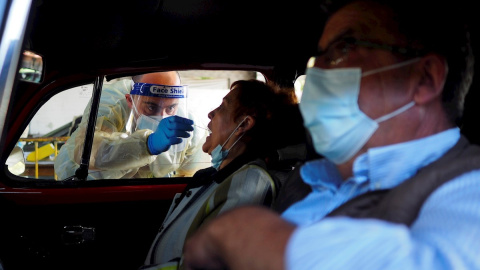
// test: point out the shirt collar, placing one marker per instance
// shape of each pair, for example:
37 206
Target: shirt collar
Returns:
387 166
384 167
321 173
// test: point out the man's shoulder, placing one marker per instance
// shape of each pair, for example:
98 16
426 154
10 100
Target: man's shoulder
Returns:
463 151
251 171
257 165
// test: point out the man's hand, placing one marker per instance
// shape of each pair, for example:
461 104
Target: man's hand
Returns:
244 238
169 132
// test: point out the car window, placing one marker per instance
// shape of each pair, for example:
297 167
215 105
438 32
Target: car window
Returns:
50 128
56 134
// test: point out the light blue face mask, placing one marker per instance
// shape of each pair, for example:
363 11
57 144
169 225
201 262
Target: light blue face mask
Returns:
218 155
329 106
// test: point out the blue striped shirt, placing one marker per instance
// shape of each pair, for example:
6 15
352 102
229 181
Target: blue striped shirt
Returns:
446 234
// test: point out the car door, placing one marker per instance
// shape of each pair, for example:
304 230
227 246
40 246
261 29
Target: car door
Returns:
49 224
67 222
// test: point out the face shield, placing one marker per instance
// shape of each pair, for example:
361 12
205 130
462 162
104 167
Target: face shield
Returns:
153 102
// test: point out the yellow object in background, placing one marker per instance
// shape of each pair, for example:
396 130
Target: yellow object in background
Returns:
43 152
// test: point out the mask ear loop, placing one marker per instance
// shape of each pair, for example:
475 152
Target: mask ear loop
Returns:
398 65
233 133
132 120
133 105
396 112
135 109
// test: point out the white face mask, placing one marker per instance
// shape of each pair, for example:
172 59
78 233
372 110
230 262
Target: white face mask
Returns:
145 121
148 122
329 107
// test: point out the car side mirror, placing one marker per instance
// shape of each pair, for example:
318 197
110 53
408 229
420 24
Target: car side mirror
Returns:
31 67
16 161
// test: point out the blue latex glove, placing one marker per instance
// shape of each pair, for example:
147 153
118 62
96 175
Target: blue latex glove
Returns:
169 132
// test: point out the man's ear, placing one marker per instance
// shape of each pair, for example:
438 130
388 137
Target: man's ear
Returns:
129 100
433 74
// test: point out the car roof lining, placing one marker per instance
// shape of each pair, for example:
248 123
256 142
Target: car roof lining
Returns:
84 39
101 34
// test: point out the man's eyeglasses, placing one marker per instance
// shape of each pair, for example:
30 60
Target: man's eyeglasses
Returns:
339 50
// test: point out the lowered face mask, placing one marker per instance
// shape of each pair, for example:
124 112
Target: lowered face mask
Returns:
329 106
218 155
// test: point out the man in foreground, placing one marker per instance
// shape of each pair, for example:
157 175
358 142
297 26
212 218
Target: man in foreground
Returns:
399 187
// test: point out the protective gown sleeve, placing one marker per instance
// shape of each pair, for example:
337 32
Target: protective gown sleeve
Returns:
115 152
118 150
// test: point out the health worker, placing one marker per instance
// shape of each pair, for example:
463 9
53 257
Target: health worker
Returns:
143 130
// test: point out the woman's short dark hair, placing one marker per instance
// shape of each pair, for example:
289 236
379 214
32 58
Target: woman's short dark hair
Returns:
278 121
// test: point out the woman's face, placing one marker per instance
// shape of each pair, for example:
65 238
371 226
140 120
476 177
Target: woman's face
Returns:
222 123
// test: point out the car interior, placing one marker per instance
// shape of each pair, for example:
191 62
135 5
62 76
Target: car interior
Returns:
71 49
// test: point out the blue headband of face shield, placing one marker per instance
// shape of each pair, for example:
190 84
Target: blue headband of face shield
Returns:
158 90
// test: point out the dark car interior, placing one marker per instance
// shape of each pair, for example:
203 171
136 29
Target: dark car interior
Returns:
110 224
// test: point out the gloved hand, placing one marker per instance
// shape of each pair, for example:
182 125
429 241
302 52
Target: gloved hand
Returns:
169 132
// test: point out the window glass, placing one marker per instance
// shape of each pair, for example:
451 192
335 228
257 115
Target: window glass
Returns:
54 139
50 128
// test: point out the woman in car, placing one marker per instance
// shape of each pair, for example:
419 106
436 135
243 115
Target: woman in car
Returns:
244 131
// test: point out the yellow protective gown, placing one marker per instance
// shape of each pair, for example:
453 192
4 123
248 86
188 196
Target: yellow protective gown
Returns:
117 152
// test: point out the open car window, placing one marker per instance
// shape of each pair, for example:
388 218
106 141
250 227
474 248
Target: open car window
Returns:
54 139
